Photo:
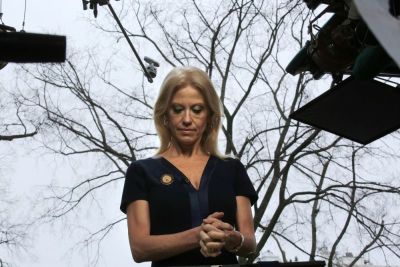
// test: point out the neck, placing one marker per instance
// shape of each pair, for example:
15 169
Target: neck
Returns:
187 151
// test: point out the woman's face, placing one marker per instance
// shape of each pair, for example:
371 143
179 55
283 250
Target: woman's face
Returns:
187 116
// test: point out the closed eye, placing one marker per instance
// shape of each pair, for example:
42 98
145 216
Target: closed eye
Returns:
177 109
197 109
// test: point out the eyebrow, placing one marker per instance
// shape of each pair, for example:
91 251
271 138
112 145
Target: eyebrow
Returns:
195 104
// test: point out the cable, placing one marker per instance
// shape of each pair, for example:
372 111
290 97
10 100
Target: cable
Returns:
1 11
23 22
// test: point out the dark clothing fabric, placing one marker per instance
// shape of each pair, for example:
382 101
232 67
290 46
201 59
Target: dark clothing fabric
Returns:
175 205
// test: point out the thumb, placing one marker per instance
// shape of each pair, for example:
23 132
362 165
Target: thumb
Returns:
217 215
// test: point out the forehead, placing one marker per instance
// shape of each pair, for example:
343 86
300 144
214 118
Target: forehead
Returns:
187 94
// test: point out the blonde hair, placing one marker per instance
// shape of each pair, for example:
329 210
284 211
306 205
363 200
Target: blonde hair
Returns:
176 79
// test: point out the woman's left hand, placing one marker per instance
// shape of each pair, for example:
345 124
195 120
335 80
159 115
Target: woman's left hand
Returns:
213 236
231 239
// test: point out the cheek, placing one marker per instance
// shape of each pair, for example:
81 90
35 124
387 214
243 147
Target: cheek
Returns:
203 123
172 120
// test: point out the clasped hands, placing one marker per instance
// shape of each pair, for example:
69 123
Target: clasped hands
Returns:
216 235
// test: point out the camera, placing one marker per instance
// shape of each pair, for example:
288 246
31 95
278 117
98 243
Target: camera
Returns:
152 66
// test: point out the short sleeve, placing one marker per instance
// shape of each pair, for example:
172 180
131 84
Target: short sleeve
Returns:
243 184
135 186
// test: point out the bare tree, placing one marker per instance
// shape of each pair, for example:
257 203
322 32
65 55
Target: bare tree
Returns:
13 233
12 122
13 125
315 191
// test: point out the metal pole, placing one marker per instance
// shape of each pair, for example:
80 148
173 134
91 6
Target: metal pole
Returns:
130 43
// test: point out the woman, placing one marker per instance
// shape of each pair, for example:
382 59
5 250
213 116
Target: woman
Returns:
188 205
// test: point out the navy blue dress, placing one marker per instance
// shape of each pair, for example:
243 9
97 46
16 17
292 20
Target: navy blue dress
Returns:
175 205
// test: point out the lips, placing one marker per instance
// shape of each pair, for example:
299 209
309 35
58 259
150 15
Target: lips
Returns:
186 130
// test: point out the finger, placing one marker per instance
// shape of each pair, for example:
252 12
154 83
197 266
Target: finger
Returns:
211 251
204 237
209 227
218 224
218 236
203 245
211 220
203 251
221 226
217 214
213 247
224 226
210 233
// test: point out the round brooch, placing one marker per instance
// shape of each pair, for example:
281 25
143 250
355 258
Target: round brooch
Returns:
167 179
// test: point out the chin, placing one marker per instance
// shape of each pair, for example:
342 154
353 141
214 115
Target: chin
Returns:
187 141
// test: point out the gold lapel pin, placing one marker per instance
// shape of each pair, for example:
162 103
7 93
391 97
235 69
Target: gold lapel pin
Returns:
167 179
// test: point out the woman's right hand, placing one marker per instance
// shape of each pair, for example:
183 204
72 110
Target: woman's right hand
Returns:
213 234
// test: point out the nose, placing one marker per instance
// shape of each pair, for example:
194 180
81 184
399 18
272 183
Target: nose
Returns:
187 119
